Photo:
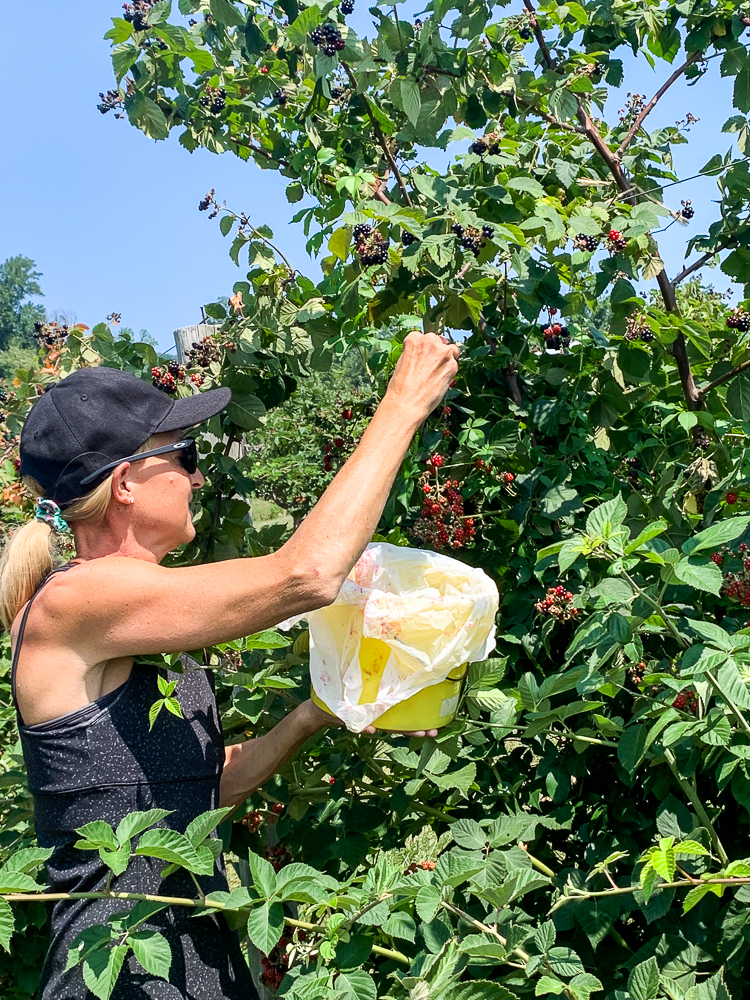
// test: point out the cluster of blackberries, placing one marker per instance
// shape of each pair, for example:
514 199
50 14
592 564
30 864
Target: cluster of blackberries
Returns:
204 352
337 442
556 336
408 238
615 241
687 211
472 239
558 603
166 377
281 96
215 99
371 247
701 440
584 242
486 144
51 336
637 328
632 466
137 13
205 203
110 101
441 523
337 93
274 967
597 68
525 33
688 700
3 396
346 7
328 38
636 672
739 319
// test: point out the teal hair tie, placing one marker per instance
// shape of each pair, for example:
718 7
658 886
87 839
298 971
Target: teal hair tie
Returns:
50 513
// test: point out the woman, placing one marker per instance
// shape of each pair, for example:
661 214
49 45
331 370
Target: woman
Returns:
108 451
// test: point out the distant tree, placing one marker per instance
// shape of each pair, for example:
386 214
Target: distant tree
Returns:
19 282
142 337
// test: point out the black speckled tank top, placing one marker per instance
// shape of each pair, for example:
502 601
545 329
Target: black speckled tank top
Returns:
103 762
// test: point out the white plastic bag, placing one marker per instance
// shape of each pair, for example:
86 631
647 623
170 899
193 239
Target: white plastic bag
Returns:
433 612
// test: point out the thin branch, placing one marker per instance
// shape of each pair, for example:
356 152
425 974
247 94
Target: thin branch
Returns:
549 61
554 122
485 928
623 890
382 141
698 263
724 378
696 803
693 57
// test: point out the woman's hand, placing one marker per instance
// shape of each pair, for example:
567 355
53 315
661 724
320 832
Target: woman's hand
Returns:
323 720
425 370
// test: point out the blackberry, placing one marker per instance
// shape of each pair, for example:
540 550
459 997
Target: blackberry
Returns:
329 50
472 240
488 232
479 147
637 328
615 242
408 238
137 14
203 352
687 211
346 7
599 68
316 36
205 203
457 228
417 24
739 319
176 369
584 242
214 98
373 249
336 93
525 33
647 336
281 96
361 231
110 101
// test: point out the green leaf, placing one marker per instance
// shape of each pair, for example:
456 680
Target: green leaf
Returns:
730 682
101 967
123 57
527 185
116 860
265 925
651 531
411 100
7 924
427 902
146 115
701 575
564 961
478 989
264 877
203 825
246 410
120 31
169 845
354 984
468 833
631 747
663 860
153 952
462 780
338 244
722 533
695 896
643 981
226 13
98 834
603 520
583 985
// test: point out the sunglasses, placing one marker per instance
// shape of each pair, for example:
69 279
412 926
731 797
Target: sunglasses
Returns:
186 450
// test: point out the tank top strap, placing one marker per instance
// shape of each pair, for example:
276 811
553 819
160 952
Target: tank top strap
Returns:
21 630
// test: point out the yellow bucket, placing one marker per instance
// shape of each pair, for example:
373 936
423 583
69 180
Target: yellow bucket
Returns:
430 708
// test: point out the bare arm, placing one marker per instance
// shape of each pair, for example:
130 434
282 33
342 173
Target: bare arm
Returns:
114 606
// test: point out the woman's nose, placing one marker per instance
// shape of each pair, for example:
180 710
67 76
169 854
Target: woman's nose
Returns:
197 480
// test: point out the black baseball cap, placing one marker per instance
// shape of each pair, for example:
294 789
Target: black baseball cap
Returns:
96 416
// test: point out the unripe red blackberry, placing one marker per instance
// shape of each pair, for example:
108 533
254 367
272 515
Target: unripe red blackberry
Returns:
717 558
680 701
731 498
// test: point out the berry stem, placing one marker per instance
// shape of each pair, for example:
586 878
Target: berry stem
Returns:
696 803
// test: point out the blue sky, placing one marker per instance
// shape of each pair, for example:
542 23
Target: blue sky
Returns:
111 218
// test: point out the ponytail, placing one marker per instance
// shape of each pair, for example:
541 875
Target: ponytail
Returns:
32 551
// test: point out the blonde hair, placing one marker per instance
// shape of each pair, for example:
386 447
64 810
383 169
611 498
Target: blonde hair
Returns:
32 551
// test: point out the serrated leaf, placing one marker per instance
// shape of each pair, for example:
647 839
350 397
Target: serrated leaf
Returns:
101 969
99 834
479 989
226 13
643 981
265 925
462 780
264 877
663 861
136 822
116 860
411 100
468 833
721 533
702 575
153 952
169 845
7 924
199 828
564 961
146 115
695 896
427 902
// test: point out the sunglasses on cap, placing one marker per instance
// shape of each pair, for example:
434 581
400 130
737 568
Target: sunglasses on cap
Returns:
186 450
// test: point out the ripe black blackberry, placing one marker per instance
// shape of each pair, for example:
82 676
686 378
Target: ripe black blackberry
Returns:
647 336
346 7
457 228
3 396
599 68
588 243
637 328
472 240
361 231
479 147
373 250
408 238
336 93
176 369
316 36
203 352
739 319
110 101
205 203
281 96
687 211
488 232
525 33
137 14
214 99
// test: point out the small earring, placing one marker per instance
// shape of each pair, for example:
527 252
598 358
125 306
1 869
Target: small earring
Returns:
131 500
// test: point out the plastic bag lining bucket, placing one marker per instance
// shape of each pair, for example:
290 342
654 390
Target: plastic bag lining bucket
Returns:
430 708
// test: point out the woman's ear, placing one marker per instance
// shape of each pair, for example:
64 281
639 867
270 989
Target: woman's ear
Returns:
121 491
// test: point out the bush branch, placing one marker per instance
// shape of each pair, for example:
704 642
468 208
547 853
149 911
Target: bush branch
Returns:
693 57
725 378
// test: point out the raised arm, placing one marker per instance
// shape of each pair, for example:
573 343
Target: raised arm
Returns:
116 606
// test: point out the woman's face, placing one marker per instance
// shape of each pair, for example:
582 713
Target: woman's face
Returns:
160 489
